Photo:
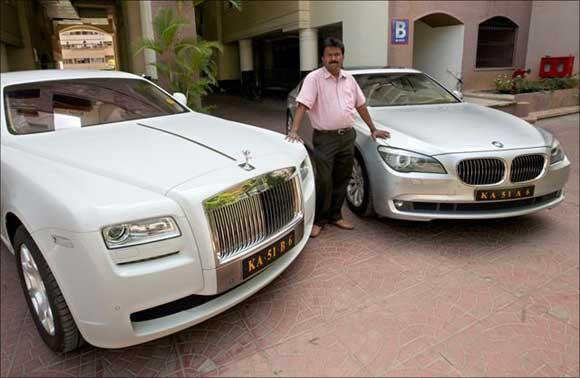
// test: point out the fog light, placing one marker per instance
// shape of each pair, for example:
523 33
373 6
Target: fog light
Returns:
118 233
399 203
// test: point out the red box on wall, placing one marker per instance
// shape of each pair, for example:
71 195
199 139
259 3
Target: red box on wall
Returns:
556 66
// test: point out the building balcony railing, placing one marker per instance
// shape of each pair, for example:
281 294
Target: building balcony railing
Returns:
87 47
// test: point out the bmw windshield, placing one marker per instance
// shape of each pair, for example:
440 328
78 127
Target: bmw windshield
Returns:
400 89
48 106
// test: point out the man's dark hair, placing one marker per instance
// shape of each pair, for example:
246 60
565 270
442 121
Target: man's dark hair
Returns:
332 42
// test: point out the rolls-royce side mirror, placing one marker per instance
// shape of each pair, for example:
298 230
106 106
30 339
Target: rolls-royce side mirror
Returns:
180 97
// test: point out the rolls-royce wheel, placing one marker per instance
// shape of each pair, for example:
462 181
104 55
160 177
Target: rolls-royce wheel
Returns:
46 303
358 191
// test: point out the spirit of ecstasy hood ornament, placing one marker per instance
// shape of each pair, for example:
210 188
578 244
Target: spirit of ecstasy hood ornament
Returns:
246 165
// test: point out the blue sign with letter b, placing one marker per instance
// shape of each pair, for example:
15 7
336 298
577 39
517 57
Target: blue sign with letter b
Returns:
400 32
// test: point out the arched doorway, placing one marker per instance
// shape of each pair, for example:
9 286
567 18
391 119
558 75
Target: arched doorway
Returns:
438 47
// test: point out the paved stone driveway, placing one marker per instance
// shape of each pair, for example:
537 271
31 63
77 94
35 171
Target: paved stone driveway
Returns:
391 298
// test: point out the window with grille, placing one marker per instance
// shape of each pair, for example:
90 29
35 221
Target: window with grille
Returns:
496 43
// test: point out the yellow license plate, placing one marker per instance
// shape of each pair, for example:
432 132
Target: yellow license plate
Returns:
260 260
504 194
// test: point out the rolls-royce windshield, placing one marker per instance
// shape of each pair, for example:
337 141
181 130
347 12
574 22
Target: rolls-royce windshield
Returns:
63 104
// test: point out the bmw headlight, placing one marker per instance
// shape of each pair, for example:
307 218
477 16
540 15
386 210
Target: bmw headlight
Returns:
140 232
407 161
304 169
557 153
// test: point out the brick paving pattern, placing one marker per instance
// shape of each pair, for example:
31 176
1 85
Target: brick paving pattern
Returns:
392 298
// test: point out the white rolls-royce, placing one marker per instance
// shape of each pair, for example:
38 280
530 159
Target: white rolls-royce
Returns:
132 217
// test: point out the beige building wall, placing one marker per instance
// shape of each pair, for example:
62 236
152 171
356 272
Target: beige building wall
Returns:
366 42
228 25
260 17
132 34
89 53
364 28
106 55
229 62
554 31
96 46
471 14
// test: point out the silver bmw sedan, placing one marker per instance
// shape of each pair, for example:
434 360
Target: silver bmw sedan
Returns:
446 159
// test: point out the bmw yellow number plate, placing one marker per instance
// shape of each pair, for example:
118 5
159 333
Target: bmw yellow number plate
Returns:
504 194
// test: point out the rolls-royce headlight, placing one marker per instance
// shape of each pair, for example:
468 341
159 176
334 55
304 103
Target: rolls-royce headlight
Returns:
140 232
557 153
304 169
407 161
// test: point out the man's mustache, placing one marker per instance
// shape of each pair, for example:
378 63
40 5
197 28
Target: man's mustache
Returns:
334 61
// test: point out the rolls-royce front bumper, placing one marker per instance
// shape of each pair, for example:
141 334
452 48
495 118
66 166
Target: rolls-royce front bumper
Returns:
117 305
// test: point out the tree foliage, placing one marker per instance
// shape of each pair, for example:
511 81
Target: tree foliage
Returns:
188 63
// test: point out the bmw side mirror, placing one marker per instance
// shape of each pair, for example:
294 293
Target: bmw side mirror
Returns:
458 94
180 97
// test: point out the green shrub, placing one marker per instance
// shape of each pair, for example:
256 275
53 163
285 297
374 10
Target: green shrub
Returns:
561 83
505 84
528 86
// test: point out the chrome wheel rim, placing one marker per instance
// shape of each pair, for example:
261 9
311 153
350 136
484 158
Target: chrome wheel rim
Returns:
355 191
36 289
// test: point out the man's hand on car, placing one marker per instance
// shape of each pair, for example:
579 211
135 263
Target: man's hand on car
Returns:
294 137
380 134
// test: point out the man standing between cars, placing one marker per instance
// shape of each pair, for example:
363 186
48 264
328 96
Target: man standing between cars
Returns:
331 97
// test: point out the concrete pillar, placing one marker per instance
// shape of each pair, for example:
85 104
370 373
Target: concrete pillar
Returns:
246 55
147 30
308 50
247 68
115 35
4 59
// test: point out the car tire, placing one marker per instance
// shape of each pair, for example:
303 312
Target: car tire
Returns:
358 191
53 318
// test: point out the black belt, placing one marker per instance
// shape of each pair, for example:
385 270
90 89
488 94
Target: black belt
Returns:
336 131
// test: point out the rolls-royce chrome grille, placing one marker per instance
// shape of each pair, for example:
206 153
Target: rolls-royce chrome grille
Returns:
247 214
527 167
481 171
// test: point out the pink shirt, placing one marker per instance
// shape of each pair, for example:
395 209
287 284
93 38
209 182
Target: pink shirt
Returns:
331 102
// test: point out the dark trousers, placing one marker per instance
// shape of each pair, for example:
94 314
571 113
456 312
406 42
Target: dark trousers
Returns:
333 156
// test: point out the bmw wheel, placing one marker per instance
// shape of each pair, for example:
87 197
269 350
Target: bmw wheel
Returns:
46 303
358 191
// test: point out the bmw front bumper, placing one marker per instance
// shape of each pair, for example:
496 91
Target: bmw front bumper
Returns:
428 196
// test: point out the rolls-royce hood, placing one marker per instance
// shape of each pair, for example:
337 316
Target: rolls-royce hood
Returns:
155 153
454 128
228 137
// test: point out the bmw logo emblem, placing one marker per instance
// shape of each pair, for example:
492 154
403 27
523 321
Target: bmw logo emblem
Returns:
497 144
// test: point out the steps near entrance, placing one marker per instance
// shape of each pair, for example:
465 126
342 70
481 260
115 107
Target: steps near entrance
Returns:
529 106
